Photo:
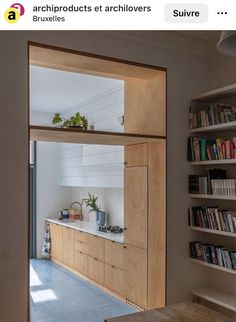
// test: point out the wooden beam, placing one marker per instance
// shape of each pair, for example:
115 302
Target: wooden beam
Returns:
57 58
72 135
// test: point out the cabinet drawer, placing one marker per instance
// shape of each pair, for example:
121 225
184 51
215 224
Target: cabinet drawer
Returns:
114 279
81 236
96 247
114 254
81 246
81 262
96 270
136 155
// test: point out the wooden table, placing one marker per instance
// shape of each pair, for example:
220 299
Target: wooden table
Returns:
183 312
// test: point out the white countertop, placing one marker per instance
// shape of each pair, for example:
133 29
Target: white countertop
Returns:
89 228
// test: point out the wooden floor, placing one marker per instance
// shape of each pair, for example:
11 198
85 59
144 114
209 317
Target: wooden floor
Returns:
184 312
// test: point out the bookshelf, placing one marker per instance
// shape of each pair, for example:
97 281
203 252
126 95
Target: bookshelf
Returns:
217 127
220 268
216 296
214 162
200 196
212 231
210 292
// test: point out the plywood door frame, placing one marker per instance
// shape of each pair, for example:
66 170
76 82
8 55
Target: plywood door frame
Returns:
147 71
123 68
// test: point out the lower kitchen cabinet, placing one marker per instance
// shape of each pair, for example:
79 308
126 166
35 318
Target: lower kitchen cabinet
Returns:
96 247
114 279
96 270
135 276
56 241
68 246
81 262
114 254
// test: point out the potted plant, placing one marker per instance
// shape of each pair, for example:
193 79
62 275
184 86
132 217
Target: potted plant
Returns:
100 215
77 121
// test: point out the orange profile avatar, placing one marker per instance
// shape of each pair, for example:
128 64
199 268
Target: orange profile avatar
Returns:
14 13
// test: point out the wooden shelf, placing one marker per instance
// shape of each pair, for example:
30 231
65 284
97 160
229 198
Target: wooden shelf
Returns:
218 267
218 297
216 127
223 92
213 231
200 196
209 162
72 135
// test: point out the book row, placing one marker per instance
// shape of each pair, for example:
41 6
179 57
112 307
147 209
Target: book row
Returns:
220 187
214 182
217 255
215 113
201 149
212 218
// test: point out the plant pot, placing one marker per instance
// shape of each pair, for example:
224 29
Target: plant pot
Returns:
101 217
76 127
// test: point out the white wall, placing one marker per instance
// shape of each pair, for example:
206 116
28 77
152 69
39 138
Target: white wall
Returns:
41 118
51 197
110 200
188 74
95 165
104 110
85 165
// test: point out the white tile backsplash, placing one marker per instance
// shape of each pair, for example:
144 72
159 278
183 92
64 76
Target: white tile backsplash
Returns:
110 200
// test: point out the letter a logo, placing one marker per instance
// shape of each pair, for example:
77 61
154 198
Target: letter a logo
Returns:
13 14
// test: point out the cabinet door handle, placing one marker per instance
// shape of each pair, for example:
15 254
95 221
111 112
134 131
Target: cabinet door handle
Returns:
112 266
125 163
125 228
125 247
95 258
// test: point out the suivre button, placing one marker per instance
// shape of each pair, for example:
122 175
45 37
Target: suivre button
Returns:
186 12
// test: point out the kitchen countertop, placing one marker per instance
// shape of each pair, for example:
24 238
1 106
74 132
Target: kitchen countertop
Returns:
89 228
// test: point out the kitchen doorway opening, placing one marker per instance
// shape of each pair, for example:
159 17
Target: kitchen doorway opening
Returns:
109 151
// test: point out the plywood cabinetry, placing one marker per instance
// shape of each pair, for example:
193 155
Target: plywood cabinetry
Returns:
136 155
145 105
96 247
81 262
136 206
136 275
68 247
56 241
114 279
96 269
145 222
114 254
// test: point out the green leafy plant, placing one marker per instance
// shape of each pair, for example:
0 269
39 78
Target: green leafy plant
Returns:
74 121
57 119
91 202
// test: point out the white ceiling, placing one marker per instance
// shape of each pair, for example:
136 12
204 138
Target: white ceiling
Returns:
55 91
